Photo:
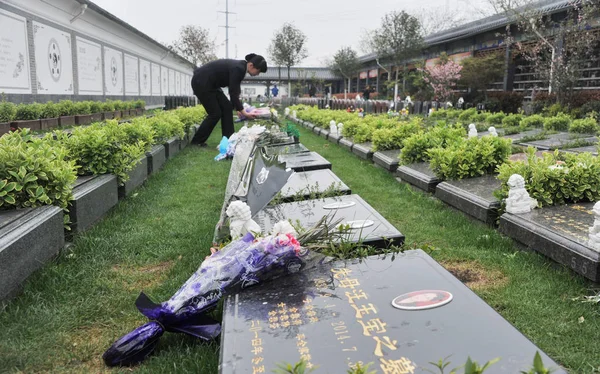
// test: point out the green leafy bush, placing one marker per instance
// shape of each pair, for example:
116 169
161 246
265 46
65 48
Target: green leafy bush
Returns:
8 111
589 107
191 116
416 146
83 108
108 106
495 118
34 171
50 110
467 115
480 117
553 110
119 105
535 120
560 122
166 125
512 120
95 107
512 130
102 148
438 114
363 133
471 157
139 131
386 139
66 107
588 125
28 112
350 127
556 178
139 104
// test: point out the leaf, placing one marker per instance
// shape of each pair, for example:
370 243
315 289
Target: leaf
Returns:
10 186
10 200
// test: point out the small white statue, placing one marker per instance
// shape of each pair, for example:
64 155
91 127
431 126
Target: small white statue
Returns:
294 114
340 128
448 104
284 228
472 131
518 200
492 131
287 112
407 101
594 237
430 111
333 129
461 101
241 221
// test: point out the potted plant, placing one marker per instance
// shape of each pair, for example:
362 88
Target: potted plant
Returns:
292 130
67 111
140 106
49 117
84 113
8 111
119 109
28 116
96 110
108 110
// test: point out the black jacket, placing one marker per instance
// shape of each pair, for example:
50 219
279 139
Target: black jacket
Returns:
221 73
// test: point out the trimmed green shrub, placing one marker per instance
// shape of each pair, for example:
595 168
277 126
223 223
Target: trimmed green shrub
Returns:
495 118
101 149
83 108
480 117
8 111
50 110
119 105
587 125
512 120
556 178
139 131
589 107
363 133
416 146
139 104
29 112
386 139
66 107
558 123
471 157
166 125
95 107
34 171
535 120
467 115
108 106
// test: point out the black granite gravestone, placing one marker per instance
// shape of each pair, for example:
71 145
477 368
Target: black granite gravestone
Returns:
474 196
346 143
363 150
561 140
593 149
368 225
302 185
334 315
559 232
419 175
306 161
387 159
286 149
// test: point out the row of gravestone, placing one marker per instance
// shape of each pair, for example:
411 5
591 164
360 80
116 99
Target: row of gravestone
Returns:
565 234
398 313
369 106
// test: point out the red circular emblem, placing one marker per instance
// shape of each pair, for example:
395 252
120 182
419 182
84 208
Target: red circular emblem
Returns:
423 299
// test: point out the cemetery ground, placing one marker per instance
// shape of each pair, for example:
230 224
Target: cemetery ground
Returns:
76 306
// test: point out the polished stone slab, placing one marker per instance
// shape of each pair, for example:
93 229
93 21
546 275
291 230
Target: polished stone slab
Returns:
377 231
560 233
303 185
419 175
346 143
474 196
335 314
306 161
363 150
387 159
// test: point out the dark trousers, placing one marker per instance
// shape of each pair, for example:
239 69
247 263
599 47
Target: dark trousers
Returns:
218 107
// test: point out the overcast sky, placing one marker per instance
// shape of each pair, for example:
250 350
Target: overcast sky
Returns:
328 24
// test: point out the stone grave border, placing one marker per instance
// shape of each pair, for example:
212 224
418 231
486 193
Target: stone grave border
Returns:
32 237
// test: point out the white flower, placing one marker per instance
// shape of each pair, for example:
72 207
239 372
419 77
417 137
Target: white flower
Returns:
283 227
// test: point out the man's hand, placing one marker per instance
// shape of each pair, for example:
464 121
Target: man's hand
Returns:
246 115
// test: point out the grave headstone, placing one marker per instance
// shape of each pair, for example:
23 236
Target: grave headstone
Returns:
419 175
368 226
286 149
474 196
400 314
387 159
306 161
363 150
302 185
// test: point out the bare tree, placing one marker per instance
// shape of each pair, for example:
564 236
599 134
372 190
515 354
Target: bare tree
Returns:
345 62
288 46
433 22
398 40
195 44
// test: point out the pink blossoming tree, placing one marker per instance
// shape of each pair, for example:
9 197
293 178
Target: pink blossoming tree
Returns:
442 78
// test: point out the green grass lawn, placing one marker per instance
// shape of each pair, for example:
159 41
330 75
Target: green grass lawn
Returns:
75 307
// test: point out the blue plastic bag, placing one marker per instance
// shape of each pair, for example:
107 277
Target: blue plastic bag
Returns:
223 145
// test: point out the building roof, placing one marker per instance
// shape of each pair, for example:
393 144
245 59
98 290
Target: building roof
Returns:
119 21
495 21
296 73
487 24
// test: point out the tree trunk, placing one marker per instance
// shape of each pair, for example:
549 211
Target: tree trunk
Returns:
289 83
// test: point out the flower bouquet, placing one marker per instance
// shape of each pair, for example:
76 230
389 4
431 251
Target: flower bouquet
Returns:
240 264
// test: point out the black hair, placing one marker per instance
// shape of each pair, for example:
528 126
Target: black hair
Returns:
258 61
